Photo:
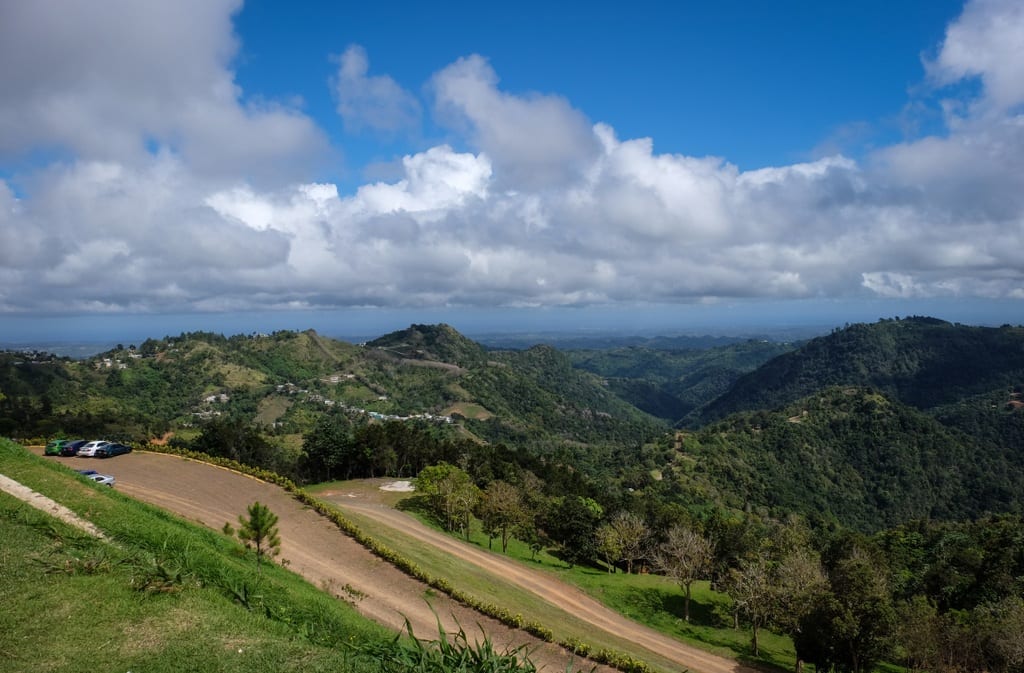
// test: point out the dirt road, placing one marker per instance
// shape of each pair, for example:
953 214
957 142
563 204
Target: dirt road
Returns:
315 549
542 584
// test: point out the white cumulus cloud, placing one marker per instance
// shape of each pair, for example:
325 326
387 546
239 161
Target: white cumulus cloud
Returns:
375 102
535 141
530 203
108 80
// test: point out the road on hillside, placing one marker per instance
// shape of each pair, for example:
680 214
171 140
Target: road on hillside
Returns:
314 548
542 584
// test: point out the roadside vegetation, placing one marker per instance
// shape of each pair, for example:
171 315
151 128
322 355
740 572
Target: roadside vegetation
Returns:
650 599
948 595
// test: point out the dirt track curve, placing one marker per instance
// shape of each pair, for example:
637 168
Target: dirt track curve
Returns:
317 550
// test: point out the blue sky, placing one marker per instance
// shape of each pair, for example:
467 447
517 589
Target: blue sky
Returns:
354 167
759 84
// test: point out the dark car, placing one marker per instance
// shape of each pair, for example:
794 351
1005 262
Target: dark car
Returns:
111 450
71 448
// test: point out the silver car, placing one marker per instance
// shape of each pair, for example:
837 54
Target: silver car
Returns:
103 479
90 448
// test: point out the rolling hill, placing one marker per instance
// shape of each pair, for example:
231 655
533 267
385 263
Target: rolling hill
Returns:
848 455
923 362
285 380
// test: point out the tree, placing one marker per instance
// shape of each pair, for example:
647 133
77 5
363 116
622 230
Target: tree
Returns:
328 448
451 493
920 635
609 546
572 522
235 439
850 628
751 588
798 582
501 511
685 556
633 535
1000 629
259 531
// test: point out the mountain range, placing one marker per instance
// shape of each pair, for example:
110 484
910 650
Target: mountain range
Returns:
869 426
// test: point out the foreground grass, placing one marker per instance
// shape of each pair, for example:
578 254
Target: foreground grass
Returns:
165 595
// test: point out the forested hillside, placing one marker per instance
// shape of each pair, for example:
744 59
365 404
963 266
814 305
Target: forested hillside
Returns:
852 456
923 362
277 385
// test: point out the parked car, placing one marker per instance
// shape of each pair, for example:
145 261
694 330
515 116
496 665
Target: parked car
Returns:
111 450
87 472
102 479
89 449
54 447
71 448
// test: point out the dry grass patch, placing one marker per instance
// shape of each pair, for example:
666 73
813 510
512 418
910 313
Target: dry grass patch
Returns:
469 410
272 408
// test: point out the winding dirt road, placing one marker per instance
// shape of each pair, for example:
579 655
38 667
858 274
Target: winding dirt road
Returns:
317 550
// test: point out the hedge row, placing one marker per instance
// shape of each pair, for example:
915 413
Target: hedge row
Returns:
613 658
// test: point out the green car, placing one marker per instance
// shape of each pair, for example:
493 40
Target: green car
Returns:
53 447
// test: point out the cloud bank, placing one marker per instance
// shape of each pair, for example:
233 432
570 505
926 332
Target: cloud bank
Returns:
171 190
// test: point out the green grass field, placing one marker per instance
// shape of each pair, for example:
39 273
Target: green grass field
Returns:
163 595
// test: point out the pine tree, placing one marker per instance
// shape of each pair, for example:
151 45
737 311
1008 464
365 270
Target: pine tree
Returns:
259 531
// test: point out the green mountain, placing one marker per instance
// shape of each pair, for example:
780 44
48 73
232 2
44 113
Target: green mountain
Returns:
431 343
847 455
286 380
923 362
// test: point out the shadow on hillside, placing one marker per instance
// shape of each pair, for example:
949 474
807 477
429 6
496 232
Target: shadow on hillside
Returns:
419 505
654 600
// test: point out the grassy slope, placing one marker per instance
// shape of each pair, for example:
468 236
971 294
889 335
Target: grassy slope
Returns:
648 599
81 606
87 587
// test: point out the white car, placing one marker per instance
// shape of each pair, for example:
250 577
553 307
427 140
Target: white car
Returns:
90 448
102 479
